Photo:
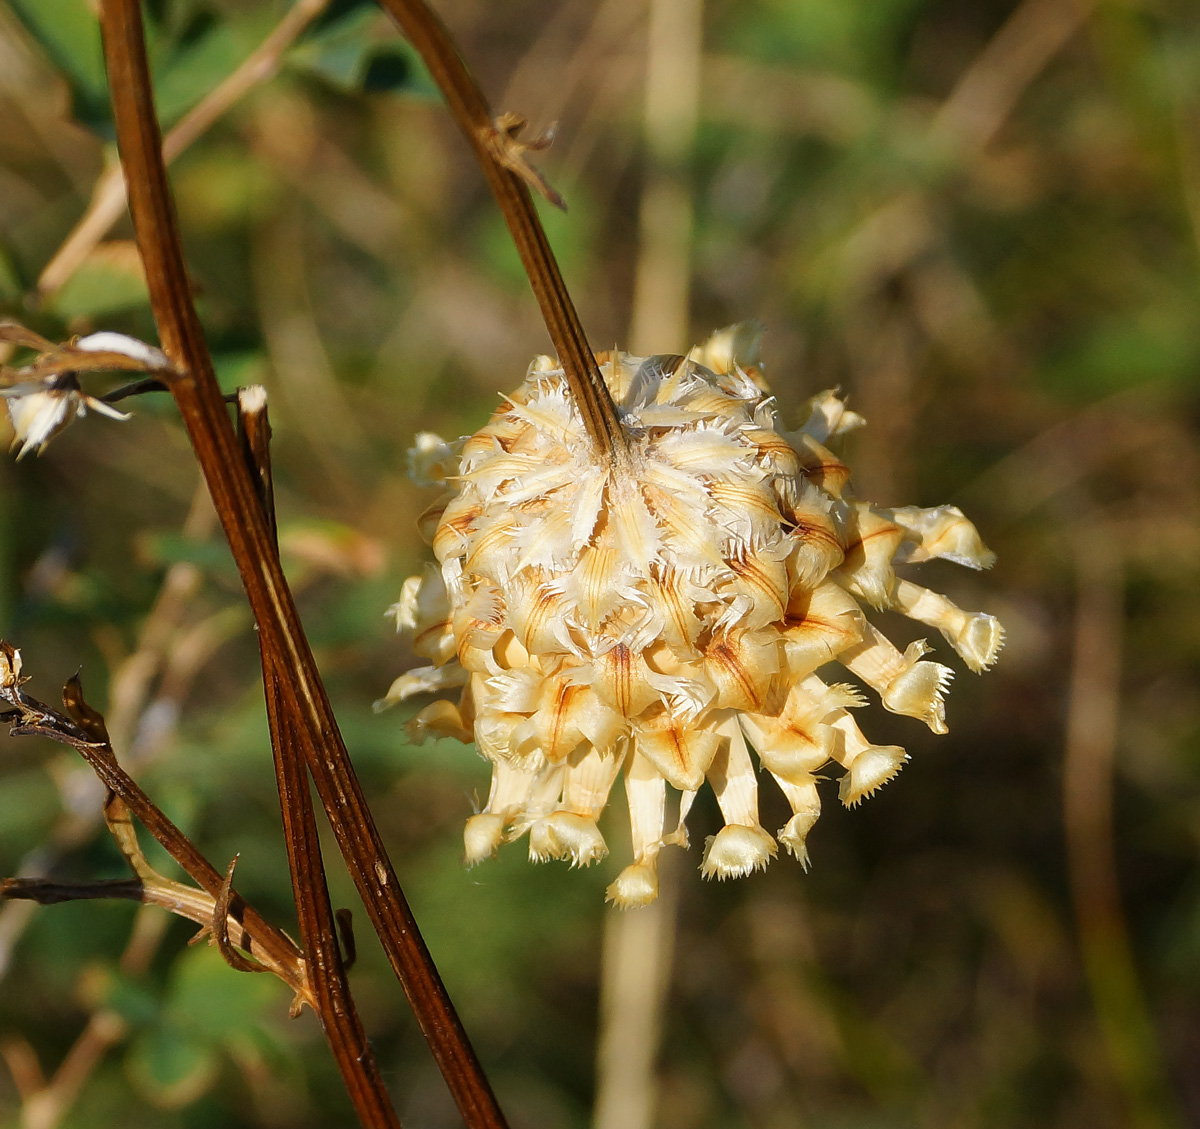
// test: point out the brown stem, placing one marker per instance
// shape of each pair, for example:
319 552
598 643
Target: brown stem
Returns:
108 196
234 496
326 969
254 933
47 893
318 931
426 32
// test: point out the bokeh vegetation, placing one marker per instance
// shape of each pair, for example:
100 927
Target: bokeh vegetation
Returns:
981 220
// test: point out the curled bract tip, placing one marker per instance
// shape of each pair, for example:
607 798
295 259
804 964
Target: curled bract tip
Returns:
682 621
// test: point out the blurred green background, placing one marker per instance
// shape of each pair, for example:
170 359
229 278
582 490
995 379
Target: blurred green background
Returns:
981 220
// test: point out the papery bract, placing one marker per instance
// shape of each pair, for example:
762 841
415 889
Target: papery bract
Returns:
664 619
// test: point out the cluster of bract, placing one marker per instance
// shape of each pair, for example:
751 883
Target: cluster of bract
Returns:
666 618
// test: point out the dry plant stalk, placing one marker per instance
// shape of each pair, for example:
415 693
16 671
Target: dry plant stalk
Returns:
214 907
640 570
304 734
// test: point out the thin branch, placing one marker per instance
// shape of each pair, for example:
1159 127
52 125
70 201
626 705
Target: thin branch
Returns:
137 388
129 688
108 195
318 931
48 893
470 109
236 500
988 90
84 732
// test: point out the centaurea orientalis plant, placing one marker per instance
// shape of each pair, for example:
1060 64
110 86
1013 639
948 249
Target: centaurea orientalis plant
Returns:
666 613
305 739
640 571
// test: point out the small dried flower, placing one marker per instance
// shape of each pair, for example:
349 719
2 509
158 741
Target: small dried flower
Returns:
39 410
10 667
47 397
664 621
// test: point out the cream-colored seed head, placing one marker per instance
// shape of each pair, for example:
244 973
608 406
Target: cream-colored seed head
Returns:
666 620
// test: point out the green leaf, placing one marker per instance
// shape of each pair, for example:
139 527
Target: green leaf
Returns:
346 52
10 280
211 1002
171 1068
69 33
191 72
108 281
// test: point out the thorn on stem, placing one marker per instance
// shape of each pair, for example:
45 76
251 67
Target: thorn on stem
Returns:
220 926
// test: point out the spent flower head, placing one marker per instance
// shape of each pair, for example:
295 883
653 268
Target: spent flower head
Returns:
10 667
47 397
667 618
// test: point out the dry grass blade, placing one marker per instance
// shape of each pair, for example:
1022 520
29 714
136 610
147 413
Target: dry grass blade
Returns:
1091 739
108 196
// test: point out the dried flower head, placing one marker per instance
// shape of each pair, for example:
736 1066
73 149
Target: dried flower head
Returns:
668 618
47 396
39 410
10 667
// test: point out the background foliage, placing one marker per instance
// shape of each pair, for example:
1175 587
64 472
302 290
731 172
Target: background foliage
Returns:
1011 300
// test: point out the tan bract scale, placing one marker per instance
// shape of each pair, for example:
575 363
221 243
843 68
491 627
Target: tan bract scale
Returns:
667 621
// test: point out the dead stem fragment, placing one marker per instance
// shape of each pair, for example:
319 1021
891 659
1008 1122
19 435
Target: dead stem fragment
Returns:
215 907
470 109
293 683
